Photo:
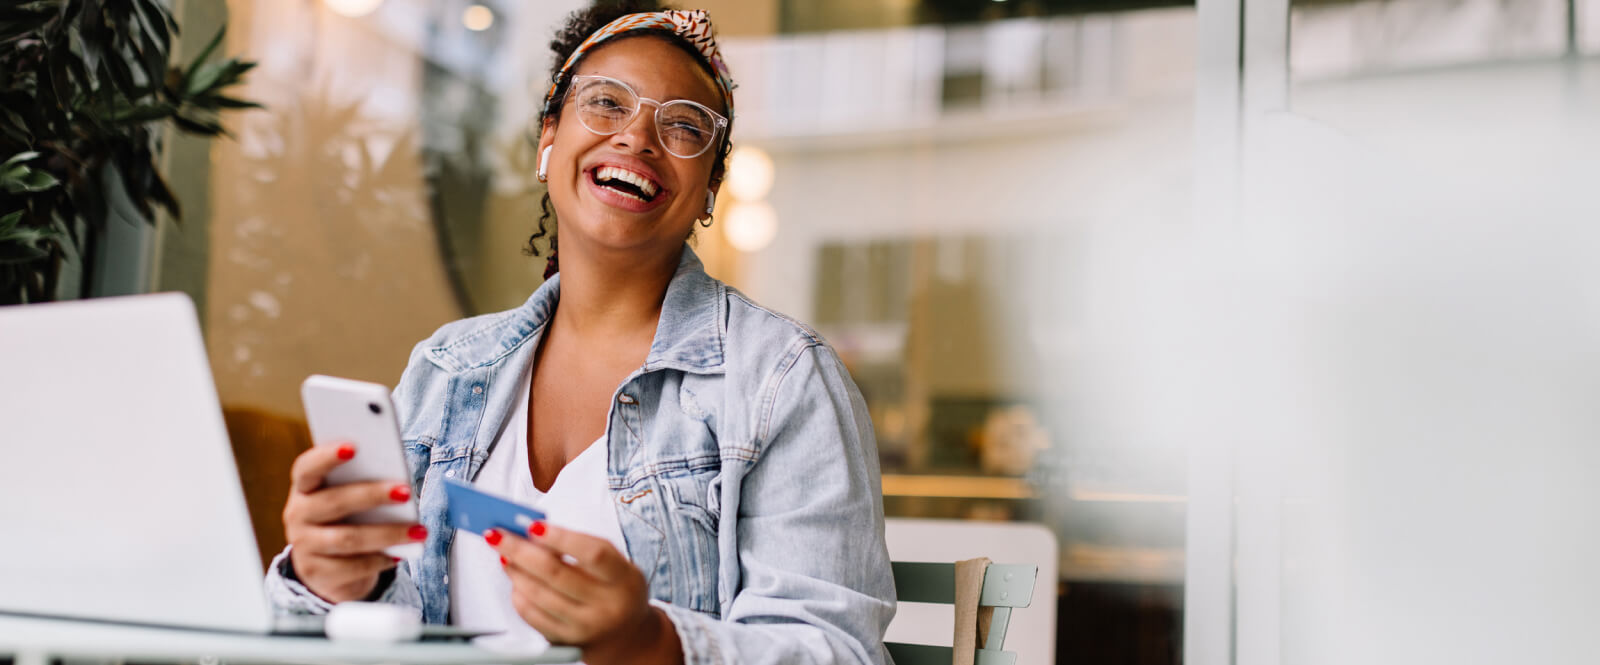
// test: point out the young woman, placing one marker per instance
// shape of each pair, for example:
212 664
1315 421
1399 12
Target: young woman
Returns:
708 465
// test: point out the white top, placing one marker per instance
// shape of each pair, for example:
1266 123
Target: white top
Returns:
480 592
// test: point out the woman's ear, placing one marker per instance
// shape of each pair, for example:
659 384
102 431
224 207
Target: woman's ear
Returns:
547 134
711 197
547 142
718 174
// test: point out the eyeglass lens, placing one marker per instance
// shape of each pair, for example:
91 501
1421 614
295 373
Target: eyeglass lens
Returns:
685 128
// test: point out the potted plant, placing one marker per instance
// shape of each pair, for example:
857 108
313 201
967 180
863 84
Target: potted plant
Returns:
86 88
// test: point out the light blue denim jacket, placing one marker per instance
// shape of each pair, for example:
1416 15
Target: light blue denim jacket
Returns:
741 461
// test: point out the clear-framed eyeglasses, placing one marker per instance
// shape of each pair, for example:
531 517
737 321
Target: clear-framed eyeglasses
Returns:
685 128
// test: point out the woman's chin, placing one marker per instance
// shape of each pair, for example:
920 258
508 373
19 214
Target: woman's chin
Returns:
614 234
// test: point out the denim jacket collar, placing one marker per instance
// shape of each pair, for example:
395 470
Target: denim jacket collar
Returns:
689 336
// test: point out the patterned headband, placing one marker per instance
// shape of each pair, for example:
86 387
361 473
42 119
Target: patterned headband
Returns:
692 25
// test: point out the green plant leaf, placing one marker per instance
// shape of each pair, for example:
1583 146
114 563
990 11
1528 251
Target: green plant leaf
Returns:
152 57
90 51
166 16
204 77
204 54
52 94
234 74
21 250
26 18
143 113
15 126
202 123
38 181
124 194
27 12
23 179
23 244
121 75
88 203
82 83
163 196
17 159
232 103
155 20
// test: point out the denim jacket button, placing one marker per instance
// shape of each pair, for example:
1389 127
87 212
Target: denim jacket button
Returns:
477 390
625 398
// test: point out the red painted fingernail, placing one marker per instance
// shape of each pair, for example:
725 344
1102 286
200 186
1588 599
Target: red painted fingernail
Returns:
400 493
395 559
347 452
537 528
492 537
417 532
502 561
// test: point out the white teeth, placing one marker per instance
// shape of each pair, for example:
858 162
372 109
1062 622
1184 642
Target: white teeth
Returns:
614 173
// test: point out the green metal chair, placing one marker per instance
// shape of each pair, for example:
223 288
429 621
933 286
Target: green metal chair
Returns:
1005 586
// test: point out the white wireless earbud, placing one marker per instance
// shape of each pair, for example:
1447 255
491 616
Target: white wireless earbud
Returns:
711 201
544 164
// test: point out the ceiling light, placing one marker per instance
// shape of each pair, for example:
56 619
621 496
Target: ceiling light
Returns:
477 18
750 173
353 8
750 227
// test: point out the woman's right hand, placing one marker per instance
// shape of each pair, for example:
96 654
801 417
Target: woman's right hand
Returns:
337 561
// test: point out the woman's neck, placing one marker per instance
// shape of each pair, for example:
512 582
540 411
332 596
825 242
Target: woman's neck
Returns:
610 298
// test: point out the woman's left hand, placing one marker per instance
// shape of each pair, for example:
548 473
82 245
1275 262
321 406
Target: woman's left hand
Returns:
595 599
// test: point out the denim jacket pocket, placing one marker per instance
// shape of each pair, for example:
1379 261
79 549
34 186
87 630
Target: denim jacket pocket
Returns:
692 536
645 539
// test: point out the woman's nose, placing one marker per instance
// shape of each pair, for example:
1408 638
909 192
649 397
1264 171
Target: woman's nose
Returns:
640 132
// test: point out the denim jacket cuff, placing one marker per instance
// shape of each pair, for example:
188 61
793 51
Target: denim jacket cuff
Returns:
288 595
285 592
699 644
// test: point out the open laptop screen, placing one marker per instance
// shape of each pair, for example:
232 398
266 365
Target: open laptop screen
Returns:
119 498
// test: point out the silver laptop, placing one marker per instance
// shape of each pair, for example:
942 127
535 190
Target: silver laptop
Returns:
119 497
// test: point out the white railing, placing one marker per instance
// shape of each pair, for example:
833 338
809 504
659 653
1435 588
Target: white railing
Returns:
895 79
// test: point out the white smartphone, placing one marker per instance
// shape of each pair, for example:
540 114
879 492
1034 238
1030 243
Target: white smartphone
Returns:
340 411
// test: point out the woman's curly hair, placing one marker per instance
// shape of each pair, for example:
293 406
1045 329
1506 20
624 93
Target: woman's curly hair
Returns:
578 27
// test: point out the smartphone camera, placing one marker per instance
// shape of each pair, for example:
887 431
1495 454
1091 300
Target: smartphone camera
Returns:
373 407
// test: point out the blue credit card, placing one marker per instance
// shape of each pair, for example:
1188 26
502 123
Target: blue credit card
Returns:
472 510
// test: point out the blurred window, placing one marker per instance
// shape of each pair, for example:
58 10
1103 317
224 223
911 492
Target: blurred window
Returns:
1333 40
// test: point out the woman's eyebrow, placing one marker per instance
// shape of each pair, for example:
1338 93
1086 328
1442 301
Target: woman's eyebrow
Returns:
637 90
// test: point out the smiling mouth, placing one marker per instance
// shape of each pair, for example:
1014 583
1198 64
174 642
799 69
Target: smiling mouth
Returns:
625 182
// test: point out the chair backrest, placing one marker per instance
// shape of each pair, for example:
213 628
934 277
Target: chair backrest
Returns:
1005 586
1028 553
